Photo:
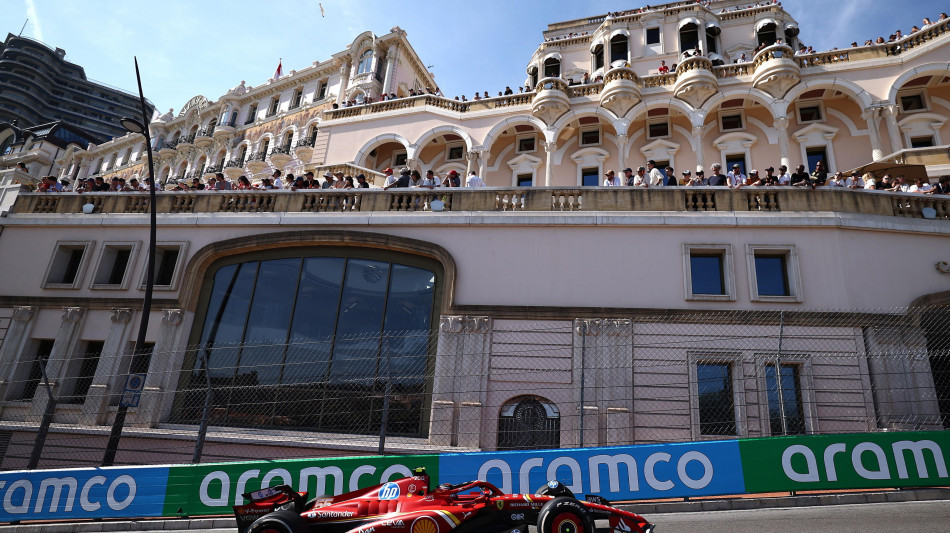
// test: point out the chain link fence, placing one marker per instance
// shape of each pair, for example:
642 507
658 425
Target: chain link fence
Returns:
482 383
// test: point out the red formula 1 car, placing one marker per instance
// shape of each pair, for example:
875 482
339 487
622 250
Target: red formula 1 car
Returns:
408 506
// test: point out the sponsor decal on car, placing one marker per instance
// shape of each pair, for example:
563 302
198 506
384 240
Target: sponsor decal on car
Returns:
517 517
390 491
500 504
425 524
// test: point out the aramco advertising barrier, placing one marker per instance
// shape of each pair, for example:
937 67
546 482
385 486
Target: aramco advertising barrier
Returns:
774 464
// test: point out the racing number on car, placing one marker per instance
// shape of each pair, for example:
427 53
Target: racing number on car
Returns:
390 491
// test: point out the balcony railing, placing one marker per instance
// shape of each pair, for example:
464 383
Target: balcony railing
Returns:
521 200
306 141
281 150
170 145
259 156
213 169
234 163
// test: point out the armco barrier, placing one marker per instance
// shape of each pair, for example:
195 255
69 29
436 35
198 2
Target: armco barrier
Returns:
775 464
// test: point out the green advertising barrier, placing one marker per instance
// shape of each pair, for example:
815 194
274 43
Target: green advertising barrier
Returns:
213 488
846 461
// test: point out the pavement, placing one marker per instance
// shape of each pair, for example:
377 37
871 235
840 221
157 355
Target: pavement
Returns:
919 510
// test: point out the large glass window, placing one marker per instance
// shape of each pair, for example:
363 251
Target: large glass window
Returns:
314 343
717 414
707 274
366 62
771 275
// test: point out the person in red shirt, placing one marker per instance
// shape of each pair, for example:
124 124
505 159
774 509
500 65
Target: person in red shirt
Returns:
663 68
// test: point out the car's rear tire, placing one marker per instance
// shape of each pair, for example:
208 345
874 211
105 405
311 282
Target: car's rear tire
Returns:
564 515
279 522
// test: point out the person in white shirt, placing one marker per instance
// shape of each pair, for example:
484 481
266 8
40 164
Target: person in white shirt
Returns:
430 181
474 181
390 178
611 180
922 186
641 179
276 181
784 178
655 175
836 181
855 182
737 178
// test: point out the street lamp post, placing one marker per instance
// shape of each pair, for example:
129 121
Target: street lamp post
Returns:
138 126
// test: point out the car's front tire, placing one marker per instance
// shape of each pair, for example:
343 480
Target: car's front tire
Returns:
279 522
564 515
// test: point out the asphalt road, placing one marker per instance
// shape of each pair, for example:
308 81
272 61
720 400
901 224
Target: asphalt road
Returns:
918 517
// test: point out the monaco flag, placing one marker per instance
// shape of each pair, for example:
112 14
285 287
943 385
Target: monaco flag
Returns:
280 70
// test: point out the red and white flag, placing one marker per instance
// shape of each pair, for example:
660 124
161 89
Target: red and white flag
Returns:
280 69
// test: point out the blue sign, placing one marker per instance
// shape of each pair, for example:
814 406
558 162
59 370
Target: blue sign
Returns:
390 491
82 493
624 472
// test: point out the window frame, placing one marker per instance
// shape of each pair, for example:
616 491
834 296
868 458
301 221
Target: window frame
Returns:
925 102
179 265
792 272
730 113
808 104
588 129
133 247
806 384
534 140
646 36
664 120
735 362
449 148
728 272
87 247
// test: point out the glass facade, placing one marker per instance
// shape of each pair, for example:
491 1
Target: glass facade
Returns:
313 343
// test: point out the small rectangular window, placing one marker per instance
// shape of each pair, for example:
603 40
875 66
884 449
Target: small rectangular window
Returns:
590 137
731 122
165 262
717 414
525 180
653 35
274 104
709 272
771 275
526 144
399 159
814 155
66 264
810 113
113 266
32 373
913 102
706 273
322 90
790 404
455 153
657 130
80 372
590 177
251 114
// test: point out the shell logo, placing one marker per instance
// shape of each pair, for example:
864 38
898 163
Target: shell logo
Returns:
425 525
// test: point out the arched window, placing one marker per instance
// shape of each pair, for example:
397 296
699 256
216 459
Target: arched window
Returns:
366 62
6 145
598 54
529 422
552 67
618 48
766 34
265 145
314 339
689 37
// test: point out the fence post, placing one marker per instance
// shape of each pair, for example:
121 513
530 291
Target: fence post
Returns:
205 413
778 372
583 382
44 424
385 418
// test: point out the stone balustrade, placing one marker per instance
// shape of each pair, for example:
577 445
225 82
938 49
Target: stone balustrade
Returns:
733 70
512 199
776 51
658 80
693 63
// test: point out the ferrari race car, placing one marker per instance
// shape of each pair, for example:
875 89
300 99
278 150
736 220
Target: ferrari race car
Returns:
408 505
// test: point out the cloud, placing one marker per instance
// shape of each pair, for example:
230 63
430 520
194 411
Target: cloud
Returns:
31 14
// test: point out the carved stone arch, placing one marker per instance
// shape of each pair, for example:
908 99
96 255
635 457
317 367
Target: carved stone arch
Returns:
199 263
751 93
446 128
855 91
370 145
196 104
573 115
932 69
516 120
645 105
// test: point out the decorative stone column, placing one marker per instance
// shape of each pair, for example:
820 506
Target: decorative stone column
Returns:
14 344
893 131
549 148
64 350
621 153
344 80
461 381
114 350
482 162
161 380
781 124
471 160
390 67
873 117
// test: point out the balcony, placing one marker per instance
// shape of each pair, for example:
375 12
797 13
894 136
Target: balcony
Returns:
204 137
580 200
187 141
621 90
234 168
551 100
224 129
280 156
168 148
257 162
695 81
775 70
210 171
304 148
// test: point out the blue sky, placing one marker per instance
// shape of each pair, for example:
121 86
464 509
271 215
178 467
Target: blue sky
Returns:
187 48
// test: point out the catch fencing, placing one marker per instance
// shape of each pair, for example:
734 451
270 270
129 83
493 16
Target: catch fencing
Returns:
481 383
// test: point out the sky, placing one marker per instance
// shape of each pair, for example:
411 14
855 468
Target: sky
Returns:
191 47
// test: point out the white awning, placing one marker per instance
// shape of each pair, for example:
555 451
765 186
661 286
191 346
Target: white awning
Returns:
713 28
689 20
791 29
532 70
595 44
552 55
765 22
619 31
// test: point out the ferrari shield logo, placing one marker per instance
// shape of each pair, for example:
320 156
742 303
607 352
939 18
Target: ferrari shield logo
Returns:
500 504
